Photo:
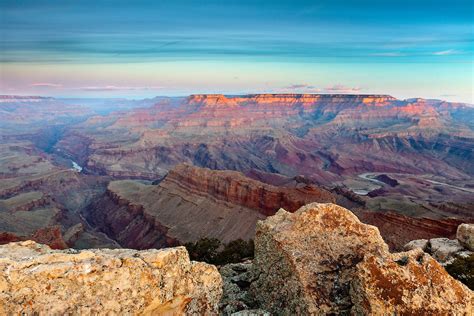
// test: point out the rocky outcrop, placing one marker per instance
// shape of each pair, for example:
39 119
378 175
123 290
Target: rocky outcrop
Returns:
73 233
50 236
191 203
446 250
234 187
306 260
37 280
407 283
465 235
443 249
323 260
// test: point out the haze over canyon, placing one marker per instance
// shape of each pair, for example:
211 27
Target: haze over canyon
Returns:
145 175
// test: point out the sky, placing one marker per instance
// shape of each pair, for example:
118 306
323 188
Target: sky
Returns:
135 49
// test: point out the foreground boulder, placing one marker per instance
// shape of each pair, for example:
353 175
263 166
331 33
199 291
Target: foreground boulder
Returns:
465 235
35 279
323 260
305 260
409 283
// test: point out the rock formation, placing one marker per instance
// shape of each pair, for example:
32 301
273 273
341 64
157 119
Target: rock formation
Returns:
407 283
50 236
37 280
465 235
235 188
323 260
446 250
191 203
397 229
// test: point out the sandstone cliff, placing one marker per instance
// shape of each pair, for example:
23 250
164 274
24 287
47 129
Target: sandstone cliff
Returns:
233 187
37 280
191 203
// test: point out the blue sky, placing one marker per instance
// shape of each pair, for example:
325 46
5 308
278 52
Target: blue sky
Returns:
145 48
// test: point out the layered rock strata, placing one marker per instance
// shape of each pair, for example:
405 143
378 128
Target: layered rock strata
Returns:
191 203
235 188
37 280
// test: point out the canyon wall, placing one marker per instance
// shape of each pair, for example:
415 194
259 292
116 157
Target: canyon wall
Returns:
191 203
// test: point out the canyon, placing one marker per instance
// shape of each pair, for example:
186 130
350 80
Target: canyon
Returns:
145 174
333 185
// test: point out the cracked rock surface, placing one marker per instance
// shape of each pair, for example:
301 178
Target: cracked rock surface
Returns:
322 260
35 279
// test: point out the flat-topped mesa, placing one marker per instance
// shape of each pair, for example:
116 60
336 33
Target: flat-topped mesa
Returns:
210 100
220 100
235 188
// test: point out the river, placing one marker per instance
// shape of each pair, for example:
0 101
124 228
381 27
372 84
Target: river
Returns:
76 167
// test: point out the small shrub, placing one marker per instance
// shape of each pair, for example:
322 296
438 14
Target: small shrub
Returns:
462 269
205 249
211 250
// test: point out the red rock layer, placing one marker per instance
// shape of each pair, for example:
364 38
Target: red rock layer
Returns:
128 223
233 187
50 236
397 229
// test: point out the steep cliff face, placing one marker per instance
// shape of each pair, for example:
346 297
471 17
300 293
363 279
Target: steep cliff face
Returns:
191 203
219 100
37 280
233 187
398 229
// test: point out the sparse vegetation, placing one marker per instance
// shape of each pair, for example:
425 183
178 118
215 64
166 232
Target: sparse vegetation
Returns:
462 269
211 250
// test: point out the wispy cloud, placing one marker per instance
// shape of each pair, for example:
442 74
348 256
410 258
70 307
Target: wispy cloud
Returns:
342 89
307 88
446 52
299 87
118 88
46 85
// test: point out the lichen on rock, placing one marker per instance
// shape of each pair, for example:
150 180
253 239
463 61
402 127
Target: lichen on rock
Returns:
465 235
35 279
407 283
306 260
323 260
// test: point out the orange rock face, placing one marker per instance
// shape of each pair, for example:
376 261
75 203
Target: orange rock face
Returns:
50 236
191 203
235 188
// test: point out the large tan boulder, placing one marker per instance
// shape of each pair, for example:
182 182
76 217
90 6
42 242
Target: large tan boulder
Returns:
465 235
407 283
35 279
304 261
323 260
